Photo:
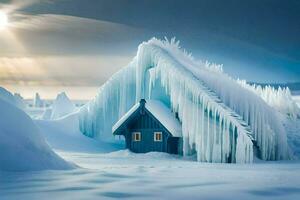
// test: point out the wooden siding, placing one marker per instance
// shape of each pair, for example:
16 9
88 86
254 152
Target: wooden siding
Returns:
147 125
144 122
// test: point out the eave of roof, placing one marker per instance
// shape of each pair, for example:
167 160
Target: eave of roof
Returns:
160 112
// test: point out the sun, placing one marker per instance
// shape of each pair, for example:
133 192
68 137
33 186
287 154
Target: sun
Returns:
3 20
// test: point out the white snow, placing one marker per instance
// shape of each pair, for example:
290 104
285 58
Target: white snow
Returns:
160 112
7 96
62 106
47 114
64 134
297 100
21 145
19 101
15 100
108 172
280 99
165 116
125 117
219 117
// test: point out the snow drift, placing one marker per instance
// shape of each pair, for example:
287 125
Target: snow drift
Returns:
19 101
15 100
47 114
21 145
220 118
64 135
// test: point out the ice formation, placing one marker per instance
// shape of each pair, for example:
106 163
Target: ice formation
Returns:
37 101
220 118
7 96
47 114
15 99
62 106
22 146
280 99
19 101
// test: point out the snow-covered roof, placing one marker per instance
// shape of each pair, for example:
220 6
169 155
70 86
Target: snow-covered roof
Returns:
165 116
125 117
160 112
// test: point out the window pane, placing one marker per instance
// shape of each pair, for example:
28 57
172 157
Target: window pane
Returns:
136 136
157 136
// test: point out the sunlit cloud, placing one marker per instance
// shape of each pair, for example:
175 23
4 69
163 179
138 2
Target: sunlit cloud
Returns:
14 5
52 51
42 49
59 70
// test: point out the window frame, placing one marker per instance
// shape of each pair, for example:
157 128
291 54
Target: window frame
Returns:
134 138
158 133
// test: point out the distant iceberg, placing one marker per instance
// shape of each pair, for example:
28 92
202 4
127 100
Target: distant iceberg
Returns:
61 107
37 101
222 121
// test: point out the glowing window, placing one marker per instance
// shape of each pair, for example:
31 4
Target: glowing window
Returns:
157 136
136 136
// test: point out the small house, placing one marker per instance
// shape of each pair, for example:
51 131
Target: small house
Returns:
150 126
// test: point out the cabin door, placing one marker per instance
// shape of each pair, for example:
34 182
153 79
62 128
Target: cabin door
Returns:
137 141
173 143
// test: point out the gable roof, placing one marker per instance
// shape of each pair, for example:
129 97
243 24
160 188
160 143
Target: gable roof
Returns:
161 112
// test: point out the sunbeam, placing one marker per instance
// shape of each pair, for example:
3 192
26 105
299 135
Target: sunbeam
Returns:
3 20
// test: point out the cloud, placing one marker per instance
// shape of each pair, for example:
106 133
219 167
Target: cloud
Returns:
10 6
59 70
58 50
60 34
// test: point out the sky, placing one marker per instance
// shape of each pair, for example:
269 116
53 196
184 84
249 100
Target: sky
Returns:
51 46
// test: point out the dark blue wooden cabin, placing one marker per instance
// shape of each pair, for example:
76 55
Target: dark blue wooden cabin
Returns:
150 126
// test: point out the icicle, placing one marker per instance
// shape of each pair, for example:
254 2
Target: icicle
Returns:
214 109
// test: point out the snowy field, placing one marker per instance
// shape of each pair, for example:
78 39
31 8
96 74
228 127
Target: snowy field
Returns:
153 176
108 172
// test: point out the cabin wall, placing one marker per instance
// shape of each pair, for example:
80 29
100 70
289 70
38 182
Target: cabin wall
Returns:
146 125
147 143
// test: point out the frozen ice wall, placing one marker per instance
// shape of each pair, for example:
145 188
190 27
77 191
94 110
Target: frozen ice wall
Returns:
37 101
280 99
113 100
219 117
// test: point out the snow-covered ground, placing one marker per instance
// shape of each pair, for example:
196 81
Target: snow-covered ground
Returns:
154 176
22 146
108 172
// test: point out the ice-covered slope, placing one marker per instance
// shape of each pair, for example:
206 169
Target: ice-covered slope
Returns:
280 99
21 145
62 106
19 101
64 135
219 117
47 114
15 99
7 96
